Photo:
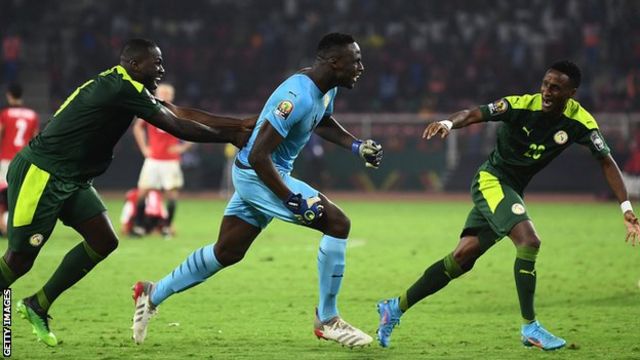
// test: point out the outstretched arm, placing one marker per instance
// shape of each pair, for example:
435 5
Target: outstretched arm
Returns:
369 150
330 130
209 119
200 126
456 121
614 179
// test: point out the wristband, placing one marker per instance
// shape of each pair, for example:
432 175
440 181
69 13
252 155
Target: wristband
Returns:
626 206
355 146
447 123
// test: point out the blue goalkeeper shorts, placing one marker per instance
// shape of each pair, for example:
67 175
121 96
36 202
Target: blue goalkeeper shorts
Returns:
256 204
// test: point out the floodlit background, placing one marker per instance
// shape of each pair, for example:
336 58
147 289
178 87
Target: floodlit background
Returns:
423 60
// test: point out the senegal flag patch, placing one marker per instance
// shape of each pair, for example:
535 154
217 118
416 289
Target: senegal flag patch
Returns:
283 109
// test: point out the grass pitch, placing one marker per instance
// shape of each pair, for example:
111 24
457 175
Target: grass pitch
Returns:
263 307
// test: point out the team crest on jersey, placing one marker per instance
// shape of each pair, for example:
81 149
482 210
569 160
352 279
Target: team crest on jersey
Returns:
517 209
597 141
283 109
561 137
498 107
36 240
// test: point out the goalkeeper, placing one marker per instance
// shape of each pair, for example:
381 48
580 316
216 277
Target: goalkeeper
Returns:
265 189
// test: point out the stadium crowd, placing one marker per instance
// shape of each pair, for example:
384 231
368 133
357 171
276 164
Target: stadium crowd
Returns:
225 55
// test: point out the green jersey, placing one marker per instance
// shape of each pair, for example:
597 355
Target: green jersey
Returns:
528 139
77 143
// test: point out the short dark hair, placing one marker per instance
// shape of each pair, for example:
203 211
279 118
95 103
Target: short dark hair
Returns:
15 90
332 40
135 48
570 69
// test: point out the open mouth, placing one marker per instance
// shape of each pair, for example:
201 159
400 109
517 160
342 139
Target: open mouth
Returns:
547 103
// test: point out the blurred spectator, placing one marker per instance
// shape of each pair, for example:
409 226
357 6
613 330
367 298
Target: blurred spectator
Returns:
226 54
11 48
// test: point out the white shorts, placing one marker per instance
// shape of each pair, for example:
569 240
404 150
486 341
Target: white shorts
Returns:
160 175
4 166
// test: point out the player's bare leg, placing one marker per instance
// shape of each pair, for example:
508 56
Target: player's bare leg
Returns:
138 229
172 202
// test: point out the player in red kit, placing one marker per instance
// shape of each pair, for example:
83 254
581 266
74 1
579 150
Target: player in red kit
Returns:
18 124
161 168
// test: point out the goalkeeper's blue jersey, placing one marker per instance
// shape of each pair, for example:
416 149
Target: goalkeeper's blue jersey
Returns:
294 109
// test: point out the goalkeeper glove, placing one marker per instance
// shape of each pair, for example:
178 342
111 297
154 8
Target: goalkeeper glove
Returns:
369 150
307 210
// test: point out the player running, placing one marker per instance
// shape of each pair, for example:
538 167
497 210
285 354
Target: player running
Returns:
536 128
51 178
265 189
161 169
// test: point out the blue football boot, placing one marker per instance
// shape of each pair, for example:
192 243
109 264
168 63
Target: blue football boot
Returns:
390 313
534 334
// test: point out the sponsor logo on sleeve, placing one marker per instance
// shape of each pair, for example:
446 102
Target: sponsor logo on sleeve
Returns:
283 109
597 141
498 107
561 137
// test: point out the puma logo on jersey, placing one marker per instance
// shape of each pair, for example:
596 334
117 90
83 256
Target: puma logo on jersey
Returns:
532 272
526 130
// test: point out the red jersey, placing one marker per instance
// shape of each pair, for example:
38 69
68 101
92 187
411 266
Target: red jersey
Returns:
19 125
159 143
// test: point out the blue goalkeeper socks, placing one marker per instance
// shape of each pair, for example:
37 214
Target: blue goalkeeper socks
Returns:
198 266
331 261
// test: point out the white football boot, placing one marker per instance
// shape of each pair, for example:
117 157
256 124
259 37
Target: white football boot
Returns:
144 310
341 332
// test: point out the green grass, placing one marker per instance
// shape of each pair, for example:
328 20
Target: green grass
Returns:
263 307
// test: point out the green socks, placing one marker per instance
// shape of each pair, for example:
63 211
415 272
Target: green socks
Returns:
525 275
434 278
442 272
75 265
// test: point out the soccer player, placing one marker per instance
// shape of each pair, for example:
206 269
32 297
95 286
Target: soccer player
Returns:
50 179
264 189
536 128
18 124
161 168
